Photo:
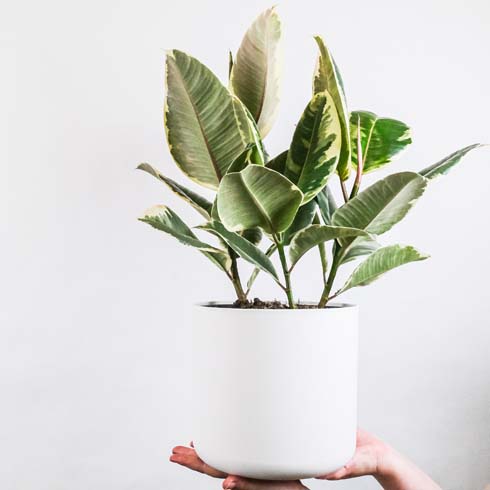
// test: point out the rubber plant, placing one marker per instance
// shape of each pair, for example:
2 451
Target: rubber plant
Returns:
215 134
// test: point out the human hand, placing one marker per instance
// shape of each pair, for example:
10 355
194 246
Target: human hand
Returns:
392 470
369 458
372 457
187 456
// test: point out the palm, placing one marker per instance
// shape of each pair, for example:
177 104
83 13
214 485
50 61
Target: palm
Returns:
366 459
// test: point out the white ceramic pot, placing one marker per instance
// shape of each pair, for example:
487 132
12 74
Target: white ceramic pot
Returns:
275 391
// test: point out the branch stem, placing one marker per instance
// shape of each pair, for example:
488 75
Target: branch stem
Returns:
337 255
285 269
235 278
345 193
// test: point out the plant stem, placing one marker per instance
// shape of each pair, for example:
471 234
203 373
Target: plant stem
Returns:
235 278
323 255
360 162
345 194
285 268
331 276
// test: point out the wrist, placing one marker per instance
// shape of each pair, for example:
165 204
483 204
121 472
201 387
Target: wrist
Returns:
388 461
395 472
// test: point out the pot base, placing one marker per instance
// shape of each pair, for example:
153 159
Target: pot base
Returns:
297 470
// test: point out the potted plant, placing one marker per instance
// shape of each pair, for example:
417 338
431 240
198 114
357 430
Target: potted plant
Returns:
276 382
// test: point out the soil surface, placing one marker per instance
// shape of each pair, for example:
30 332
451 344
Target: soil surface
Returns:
258 304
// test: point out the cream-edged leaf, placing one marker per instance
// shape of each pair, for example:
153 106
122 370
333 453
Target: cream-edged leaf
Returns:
382 260
326 203
206 129
304 217
199 203
382 205
258 196
314 235
256 71
257 270
315 149
382 139
244 248
446 164
164 219
327 77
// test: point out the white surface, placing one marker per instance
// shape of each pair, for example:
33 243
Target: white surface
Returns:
276 390
94 347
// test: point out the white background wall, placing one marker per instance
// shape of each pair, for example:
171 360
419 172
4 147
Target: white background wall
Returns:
94 341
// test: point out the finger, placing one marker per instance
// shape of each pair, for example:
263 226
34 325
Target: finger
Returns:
188 457
335 475
239 483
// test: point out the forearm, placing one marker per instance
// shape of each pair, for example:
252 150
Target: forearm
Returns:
398 473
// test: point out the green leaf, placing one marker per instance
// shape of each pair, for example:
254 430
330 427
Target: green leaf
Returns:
164 219
446 164
326 203
206 128
257 196
379 262
360 247
256 73
381 205
315 148
381 139
242 160
259 155
199 203
278 163
245 249
230 63
254 235
256 270
327 77
313 235
304 217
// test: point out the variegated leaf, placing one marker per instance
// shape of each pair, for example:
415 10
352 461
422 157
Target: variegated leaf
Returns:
304 217
382 139
446 164
244 248
382 260
326 203
249 126
315 148
381 205
199 203
327 77
242 160
206 129
164 219
253 235
257 270
278 163
314 235
256 72
258 196
360 247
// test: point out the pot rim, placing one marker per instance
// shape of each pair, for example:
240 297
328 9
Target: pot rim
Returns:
228 305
